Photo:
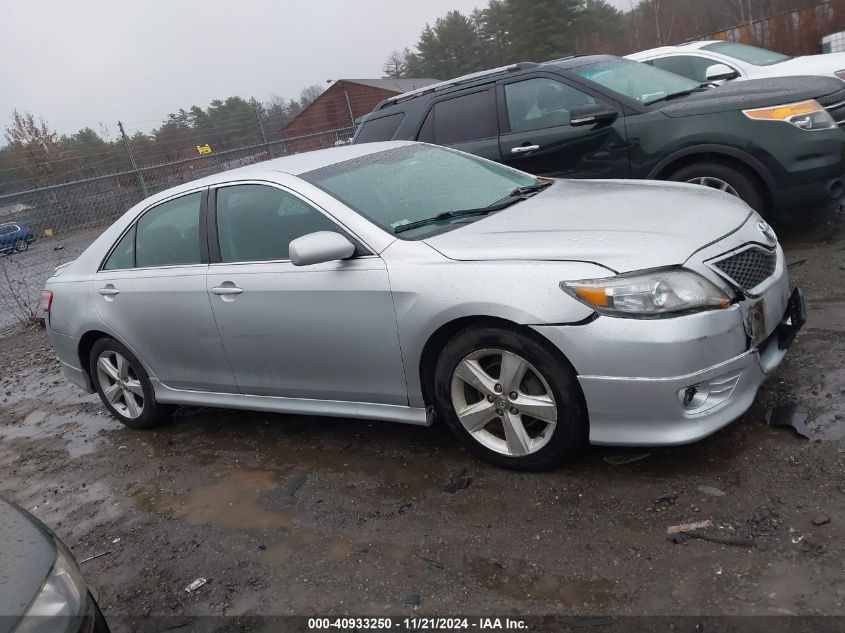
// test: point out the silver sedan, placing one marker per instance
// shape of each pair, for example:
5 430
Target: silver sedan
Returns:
408 282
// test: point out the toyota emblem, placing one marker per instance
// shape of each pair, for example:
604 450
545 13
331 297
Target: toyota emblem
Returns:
767 231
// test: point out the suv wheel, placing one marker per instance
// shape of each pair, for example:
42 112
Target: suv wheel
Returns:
511 400
124 386
725 178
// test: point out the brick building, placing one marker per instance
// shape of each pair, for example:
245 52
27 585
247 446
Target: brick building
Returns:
338 107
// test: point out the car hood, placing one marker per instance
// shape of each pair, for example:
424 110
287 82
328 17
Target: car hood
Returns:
623 225
755 93
27 553
807 65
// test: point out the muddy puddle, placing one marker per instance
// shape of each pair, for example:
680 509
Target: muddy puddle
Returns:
519 580
77 434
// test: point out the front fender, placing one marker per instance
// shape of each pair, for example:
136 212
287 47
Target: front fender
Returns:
430 294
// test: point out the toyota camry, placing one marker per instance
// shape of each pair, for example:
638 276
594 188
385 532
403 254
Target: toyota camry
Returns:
409 282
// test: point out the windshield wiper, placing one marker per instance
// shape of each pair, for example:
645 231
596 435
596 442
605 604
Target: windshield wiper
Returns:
683 93
517 195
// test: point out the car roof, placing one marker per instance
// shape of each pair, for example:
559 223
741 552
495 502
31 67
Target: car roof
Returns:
295 165
471 80
577 61
662 50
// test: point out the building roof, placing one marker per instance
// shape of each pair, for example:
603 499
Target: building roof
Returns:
394 85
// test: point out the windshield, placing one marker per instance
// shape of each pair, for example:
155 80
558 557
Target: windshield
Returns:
747 54
636 80
415 182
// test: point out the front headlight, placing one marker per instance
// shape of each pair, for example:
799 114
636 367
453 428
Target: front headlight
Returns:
651 293
62 603
807 115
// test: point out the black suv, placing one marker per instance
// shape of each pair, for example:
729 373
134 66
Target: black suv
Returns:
776 143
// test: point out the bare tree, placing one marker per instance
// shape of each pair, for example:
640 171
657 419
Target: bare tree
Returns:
309 94
396 65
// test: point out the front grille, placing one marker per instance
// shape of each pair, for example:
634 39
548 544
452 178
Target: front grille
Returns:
834 103
750 267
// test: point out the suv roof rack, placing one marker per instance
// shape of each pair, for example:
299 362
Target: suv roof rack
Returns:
501 70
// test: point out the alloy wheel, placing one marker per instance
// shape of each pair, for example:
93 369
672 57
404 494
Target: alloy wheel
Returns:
21 246
120 384
503 402
714 183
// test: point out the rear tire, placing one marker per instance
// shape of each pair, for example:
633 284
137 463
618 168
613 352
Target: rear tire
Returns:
124 386
487 374
727 178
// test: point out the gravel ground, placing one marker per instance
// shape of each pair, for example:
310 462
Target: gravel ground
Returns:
297 515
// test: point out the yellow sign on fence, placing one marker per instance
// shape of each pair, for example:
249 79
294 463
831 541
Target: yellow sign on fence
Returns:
204 149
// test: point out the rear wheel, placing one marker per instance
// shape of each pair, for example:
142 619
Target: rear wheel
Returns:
511 400
21 246
124 386
733 180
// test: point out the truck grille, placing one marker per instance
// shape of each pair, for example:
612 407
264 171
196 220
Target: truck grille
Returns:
748 268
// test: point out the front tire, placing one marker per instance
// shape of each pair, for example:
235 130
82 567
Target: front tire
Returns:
512 401
124 387
21 246
725 178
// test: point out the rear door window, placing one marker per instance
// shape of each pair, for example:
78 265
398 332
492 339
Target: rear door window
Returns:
381 129
168 234
257 223
465 118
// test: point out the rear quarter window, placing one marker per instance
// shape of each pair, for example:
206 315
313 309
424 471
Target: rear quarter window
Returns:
381 129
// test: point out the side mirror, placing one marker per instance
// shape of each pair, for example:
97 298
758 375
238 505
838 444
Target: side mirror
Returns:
320 247
591 113
720 72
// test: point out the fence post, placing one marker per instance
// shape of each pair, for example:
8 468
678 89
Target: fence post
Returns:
263 135
137 171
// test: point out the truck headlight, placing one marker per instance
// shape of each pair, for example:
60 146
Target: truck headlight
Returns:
62 602
651 293
807 115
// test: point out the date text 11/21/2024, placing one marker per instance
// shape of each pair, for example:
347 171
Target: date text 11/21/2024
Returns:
418 624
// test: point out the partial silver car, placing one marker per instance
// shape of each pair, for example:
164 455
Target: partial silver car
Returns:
404 282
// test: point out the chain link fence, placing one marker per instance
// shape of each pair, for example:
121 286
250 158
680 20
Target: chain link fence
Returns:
65 218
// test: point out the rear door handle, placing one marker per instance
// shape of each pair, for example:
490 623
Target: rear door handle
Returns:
109 291
227 290
522 149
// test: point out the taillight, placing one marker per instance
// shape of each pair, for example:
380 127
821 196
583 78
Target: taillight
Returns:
46 301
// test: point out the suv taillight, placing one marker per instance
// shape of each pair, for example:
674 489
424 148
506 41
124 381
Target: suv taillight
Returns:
46 301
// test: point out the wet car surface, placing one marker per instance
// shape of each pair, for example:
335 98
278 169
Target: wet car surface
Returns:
288 514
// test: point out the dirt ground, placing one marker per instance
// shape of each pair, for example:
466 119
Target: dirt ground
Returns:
297 515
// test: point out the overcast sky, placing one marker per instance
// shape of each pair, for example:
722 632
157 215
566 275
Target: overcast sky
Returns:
80 63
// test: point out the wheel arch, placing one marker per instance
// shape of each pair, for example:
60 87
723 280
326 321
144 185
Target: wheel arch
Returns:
86 342
714 152
438 339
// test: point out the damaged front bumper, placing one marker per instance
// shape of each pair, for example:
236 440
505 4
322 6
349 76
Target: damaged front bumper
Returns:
703 393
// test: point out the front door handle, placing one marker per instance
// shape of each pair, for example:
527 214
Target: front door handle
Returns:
227 290
522 149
